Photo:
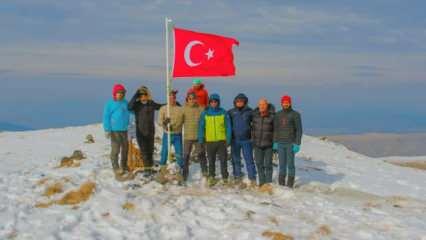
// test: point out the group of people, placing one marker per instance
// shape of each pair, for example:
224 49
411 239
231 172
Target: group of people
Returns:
202 125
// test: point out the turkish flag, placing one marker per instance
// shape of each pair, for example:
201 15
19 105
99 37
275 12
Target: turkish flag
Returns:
202 54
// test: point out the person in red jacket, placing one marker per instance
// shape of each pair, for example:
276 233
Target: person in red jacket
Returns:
200 91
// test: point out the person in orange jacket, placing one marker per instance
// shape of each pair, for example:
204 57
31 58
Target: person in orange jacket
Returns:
199 90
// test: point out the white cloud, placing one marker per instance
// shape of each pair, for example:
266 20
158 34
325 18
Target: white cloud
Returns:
124 39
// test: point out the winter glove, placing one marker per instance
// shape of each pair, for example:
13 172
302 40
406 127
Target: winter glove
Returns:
166 122
275 146
108 135
296 148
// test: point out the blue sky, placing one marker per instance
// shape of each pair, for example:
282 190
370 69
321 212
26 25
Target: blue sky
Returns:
351 66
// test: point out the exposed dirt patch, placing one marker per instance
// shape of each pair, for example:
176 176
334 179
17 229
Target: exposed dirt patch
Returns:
73 197
411 164
53 189
73 160
277 235
77 196
128 206
320 232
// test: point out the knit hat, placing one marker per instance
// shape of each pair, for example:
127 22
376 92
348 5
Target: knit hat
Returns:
286 98
173 92
118 88
196 81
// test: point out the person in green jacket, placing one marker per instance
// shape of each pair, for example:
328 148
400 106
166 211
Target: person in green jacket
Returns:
215 131
191 117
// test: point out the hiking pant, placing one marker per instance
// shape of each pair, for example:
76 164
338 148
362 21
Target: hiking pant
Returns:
286 159
176 142
119 144
246 147
146 147
263 158
199 152
217 149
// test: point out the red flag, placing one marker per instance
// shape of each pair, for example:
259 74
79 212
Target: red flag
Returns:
202 54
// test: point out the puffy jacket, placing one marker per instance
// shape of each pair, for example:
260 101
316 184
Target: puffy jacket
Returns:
202 95
176 118
241 119
262 133
116 116
144 114
191 119
288 127
215 124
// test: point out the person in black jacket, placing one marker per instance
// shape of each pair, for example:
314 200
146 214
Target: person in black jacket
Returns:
288 136
144 108
262 138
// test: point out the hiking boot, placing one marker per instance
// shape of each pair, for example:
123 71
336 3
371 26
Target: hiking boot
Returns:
211 181
179 177
225 182
163 170
266 188
290 182
238 182
118 172
253 184
281 180
147 173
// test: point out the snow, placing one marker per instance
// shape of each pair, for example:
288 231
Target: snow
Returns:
349 195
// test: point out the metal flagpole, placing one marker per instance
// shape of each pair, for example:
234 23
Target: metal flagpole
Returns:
168 87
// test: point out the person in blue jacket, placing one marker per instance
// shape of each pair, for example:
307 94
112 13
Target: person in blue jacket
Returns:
241 118
214 130
116 118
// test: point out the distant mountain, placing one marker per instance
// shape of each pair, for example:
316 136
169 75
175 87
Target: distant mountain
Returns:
384 144
6 126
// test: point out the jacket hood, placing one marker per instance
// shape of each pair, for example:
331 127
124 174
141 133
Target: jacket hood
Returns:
241 96
200 88
144 89
117 88
216 97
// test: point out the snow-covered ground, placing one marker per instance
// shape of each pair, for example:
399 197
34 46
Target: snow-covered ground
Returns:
340 195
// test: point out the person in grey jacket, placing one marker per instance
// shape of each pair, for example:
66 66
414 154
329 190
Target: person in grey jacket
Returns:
262 137
288 136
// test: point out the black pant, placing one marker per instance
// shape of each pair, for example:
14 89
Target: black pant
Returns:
263 158
199 152
146 146
119 145
217 149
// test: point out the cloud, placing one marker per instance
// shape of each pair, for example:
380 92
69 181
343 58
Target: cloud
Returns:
280 42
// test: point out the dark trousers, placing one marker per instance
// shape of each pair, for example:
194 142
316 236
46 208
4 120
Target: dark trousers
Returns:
286 159
119 144
217 149
199 152
146 146
263 158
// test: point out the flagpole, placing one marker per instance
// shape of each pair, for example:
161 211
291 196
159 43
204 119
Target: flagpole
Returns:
168 87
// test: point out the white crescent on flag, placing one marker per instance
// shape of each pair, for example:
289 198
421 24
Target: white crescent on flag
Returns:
187 53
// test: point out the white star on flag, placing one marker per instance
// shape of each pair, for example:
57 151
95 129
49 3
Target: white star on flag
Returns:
209 54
